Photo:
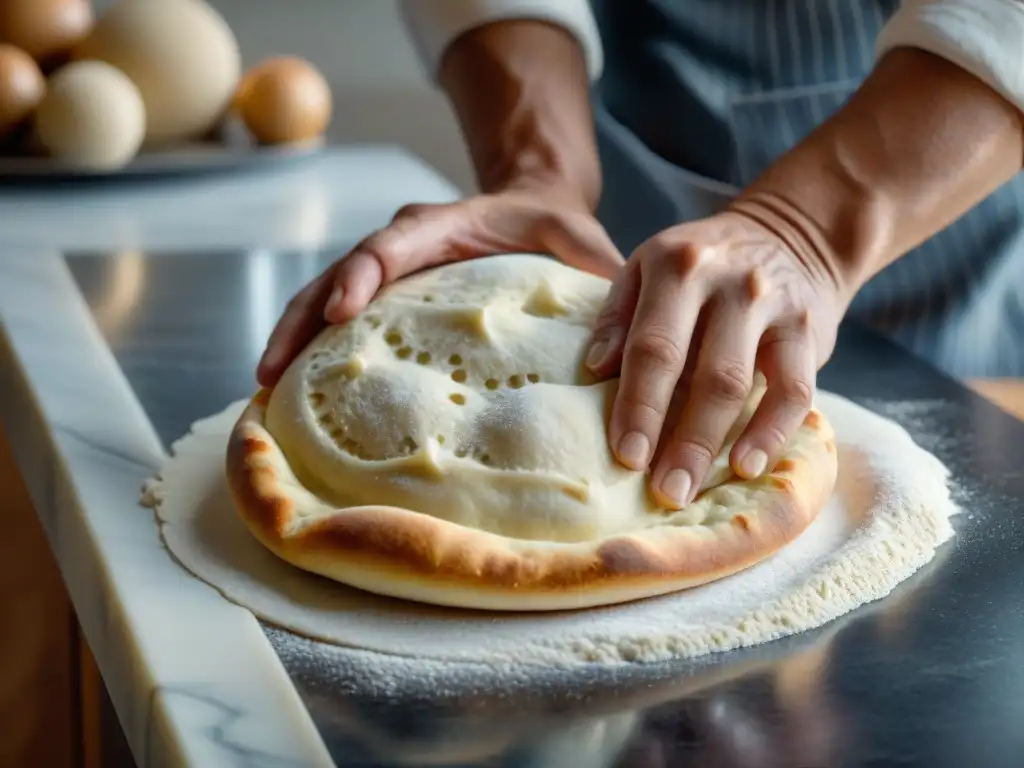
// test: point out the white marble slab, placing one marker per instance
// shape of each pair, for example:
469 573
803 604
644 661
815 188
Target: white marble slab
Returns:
192 677
305 203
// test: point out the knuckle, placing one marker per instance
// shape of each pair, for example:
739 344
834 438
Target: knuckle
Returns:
756 286
726 381
686 258
381 249
803 322
673 258
796 392
410 211
773 435
695 450
657 348
382 245
639 412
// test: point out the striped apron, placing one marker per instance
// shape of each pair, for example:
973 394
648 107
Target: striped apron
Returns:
699 96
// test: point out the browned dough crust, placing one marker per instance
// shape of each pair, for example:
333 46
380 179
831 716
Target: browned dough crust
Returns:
415 556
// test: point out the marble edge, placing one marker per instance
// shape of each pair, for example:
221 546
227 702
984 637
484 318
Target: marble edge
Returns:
192 677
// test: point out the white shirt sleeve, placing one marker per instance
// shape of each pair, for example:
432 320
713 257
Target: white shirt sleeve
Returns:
435 24
984 37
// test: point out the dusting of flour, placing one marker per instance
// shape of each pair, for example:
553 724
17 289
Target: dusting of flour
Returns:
890 510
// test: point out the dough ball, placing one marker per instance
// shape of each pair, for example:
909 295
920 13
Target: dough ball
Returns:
92 116
46 30
182 56
284 99
22 87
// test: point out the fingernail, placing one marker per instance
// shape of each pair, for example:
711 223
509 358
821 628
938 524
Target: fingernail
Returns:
633 450
267 361
754 463
602 349
598 352
675 487
334 301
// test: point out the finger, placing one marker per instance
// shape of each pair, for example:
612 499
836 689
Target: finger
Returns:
653 357
722 380
581 242
609 336
527 222
301 320
419 236
787 360
356 282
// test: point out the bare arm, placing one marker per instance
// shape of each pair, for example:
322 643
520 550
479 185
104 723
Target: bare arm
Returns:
520 90
517 73
920 144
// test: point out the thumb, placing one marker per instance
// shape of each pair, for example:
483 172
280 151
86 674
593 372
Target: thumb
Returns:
419 236
609 337
581 242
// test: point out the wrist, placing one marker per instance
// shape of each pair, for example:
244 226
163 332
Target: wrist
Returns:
920 143
840 228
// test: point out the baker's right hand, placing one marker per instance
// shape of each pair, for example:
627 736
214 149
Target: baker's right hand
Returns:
513 221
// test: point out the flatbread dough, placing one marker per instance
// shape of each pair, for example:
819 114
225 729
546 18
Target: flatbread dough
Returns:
449 446
889 511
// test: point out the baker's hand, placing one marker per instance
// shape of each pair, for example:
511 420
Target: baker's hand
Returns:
540 220
697 309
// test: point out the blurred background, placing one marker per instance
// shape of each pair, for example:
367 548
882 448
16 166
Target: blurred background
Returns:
381 94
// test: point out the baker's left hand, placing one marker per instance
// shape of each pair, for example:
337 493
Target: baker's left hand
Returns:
698 308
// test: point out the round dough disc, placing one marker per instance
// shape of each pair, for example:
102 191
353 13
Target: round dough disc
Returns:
449 446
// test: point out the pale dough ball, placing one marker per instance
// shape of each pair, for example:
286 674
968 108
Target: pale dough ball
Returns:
182 56
92 116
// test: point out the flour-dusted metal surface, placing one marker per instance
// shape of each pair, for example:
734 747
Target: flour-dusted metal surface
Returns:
930 677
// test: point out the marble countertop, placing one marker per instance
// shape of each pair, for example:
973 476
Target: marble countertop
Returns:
193 678
89 401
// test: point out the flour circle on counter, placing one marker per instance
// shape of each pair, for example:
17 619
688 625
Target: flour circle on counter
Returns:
887 515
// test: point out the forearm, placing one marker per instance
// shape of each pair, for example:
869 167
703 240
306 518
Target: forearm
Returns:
918 145
520 90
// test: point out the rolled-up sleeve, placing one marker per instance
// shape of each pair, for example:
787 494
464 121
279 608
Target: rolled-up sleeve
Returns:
984 37
435 24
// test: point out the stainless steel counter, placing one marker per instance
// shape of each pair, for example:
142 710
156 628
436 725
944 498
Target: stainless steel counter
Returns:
933 676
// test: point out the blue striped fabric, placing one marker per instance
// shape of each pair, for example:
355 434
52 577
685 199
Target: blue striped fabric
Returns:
720 88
